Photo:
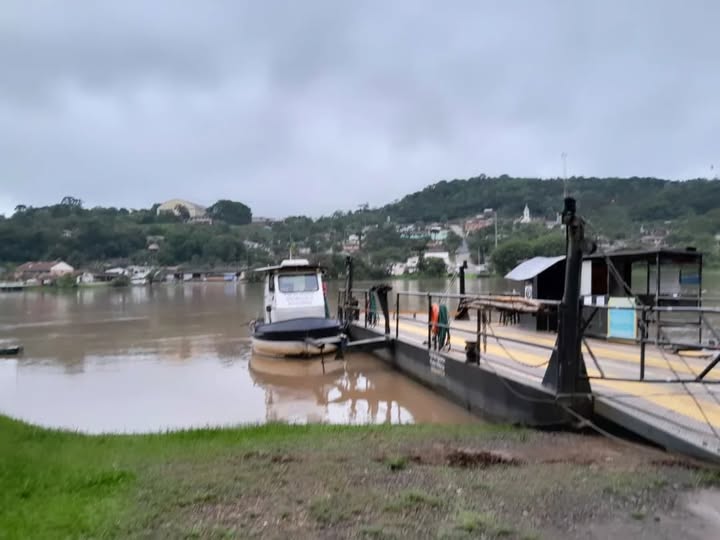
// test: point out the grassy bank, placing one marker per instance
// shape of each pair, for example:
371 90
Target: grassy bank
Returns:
281 481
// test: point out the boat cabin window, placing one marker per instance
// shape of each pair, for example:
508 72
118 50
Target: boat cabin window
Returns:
298 283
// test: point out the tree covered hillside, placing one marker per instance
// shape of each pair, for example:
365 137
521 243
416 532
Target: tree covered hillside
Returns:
630 212
684 212
640 199
84 236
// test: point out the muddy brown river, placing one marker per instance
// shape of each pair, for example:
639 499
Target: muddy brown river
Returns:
176 356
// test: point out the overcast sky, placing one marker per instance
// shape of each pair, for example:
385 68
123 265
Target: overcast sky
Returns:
305 107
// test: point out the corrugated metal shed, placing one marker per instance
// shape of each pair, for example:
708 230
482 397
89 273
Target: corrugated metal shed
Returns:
532 267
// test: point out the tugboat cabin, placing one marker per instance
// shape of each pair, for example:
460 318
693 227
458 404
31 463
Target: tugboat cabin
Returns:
293 290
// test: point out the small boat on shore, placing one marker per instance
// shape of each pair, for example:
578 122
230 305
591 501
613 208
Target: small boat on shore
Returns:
296 321
10 350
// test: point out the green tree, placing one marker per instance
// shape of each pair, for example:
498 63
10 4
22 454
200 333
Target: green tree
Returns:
509 254
387 255
550 245
182 211
66 281
381 238
232 212
432 267
120 281
453 242
71 201
481 244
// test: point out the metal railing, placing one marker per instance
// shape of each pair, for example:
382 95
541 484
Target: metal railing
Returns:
483 318
647 315
476 346
350 311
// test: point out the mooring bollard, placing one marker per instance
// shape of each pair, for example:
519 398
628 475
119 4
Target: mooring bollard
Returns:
471 352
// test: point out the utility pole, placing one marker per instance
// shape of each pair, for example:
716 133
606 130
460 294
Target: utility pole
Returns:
563 156
362 208
496 220
462 310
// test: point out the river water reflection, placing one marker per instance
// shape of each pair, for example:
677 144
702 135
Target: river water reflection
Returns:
175 356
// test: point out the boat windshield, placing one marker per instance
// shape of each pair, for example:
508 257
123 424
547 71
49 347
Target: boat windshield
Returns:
298 283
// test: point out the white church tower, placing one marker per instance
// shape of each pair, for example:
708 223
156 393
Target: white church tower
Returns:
526 215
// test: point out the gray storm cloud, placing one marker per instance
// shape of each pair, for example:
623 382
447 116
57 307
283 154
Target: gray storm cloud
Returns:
308 107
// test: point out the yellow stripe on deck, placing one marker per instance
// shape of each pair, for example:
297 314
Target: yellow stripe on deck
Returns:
604 353
522 357
610 353
680 403
694 354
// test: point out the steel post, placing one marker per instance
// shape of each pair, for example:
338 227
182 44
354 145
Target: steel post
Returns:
397 316
478 332
643 340
566 373
699 295
657 297
462 312
429 321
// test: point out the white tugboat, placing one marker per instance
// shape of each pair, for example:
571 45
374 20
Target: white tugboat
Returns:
296 321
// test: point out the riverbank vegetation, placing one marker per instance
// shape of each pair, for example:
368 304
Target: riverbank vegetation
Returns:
282 481
620 211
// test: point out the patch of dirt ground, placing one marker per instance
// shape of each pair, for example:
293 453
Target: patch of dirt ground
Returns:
547 448
523 485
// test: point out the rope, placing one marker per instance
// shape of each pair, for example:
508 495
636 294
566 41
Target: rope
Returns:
445 294
498 340
520 395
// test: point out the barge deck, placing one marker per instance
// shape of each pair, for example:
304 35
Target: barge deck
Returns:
680 416
631 370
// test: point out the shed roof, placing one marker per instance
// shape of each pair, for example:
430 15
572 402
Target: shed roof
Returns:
532 267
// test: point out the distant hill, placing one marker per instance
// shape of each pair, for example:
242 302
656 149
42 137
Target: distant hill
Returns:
620 211
82 236
640 199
